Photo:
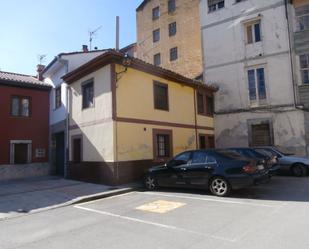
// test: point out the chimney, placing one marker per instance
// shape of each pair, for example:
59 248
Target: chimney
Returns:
39 70
85 49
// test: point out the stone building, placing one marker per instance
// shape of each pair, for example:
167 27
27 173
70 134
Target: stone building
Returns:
168 35
253 49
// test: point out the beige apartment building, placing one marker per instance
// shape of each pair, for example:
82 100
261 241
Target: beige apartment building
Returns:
168 35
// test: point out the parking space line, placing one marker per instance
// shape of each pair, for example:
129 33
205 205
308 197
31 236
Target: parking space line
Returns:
208 199
153 223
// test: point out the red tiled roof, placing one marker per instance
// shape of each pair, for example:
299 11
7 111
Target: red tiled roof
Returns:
24 80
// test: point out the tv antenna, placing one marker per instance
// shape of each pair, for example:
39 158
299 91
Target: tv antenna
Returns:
92 35
41 58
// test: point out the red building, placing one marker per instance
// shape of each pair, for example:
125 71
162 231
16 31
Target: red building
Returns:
24 126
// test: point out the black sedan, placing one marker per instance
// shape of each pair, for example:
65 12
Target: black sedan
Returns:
221 171
268 161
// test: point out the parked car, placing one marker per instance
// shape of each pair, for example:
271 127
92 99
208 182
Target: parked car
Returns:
267 160
221 171
296 165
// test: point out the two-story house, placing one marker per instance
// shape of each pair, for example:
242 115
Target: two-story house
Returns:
248 52
24 128
126 115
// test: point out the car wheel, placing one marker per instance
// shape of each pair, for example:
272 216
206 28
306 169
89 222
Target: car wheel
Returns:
150 182
220 186
299 170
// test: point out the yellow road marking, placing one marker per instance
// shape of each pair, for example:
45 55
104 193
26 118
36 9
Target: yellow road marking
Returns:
160 206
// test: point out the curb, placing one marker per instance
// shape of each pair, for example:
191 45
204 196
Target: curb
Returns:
78 200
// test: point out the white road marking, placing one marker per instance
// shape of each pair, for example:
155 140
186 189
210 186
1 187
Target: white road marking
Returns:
154 224
208 199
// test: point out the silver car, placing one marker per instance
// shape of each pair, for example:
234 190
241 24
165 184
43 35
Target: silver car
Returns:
298 166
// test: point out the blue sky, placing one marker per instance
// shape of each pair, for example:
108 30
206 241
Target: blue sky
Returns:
33 27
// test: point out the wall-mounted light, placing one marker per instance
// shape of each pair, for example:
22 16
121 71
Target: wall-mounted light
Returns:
126 62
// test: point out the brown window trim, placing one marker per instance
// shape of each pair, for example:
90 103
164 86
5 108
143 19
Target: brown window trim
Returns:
56 89
21 97
157 83
205 95
81 147
207 136
156 132
83 84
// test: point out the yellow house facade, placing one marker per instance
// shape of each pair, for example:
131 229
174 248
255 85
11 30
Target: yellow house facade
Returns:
127 115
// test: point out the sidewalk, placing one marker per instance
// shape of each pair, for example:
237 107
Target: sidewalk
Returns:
37 194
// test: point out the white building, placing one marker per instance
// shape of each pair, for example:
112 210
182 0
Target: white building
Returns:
247 54
53 73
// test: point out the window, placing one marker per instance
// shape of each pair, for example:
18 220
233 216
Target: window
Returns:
162 144
238 1
172 29
304 68
20 151
58 97
205 104
186 156
156 35
156 13
160 96
40 153
20 106
157 59
171 6
214 5
88 94
303 22
206 142
256 81
253 32
199 157
174 54
77 150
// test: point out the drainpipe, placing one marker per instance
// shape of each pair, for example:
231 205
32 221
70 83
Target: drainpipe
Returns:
195 118
291 53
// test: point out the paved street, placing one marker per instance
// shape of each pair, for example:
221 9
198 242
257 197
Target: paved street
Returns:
271 216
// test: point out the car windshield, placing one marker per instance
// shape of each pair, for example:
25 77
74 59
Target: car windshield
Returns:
283 151
253 153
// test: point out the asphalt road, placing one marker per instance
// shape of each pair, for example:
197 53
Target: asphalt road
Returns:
271 216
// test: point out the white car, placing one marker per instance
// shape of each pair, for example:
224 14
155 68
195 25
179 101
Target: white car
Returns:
298 166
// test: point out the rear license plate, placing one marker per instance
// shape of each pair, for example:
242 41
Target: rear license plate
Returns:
260 167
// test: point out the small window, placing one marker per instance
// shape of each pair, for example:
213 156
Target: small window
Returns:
214 5
172 29
303 22
160 96
58 97
202 140
253 32
156 13
171 6
88 95
157 59
77 150
256 81
174 54
238 1
20 106
163 145
304 68
206 142
156 35
205 104
209 106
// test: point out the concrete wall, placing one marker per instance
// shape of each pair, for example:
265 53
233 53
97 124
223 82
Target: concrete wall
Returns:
11 172
187 39
94 124
228 57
